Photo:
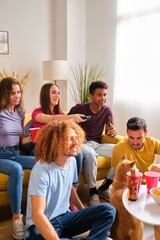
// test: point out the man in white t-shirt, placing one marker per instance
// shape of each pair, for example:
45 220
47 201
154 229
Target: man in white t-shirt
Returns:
51 189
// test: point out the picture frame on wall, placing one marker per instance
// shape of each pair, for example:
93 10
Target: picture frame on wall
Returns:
4 42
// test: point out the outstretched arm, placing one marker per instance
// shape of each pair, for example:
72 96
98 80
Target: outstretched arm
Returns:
45 118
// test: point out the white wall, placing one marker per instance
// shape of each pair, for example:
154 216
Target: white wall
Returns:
57 29
91 36
101 37
76 14
29 24
60 42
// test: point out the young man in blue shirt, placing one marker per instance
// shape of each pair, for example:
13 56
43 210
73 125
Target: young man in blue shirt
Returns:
51 189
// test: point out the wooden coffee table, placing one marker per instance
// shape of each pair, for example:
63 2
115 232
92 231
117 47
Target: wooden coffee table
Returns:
145 209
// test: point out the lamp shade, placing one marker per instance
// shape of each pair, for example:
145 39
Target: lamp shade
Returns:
54 70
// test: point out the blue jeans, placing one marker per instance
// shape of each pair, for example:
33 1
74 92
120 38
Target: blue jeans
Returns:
98 219
79 161
12 164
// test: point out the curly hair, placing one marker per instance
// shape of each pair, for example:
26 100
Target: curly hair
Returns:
6 86
45 99
55 136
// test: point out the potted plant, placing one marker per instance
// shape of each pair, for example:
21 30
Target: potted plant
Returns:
83 75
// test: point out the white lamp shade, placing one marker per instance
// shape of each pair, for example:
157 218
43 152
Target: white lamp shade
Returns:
54 70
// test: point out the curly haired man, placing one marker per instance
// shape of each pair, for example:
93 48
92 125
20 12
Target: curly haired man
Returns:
51 189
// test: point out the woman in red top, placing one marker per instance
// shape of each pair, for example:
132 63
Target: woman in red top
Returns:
50 108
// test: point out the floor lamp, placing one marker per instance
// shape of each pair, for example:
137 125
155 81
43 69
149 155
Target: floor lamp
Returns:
54 70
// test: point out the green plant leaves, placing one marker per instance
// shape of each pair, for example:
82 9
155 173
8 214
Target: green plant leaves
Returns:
83 75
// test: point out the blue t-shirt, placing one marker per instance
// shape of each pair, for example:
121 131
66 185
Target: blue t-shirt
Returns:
53 183
10 127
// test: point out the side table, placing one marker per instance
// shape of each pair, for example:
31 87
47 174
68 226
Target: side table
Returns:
145 209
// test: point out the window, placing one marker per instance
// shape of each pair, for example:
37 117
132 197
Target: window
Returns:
137 74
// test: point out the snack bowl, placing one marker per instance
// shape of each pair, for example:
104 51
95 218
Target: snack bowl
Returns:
155 193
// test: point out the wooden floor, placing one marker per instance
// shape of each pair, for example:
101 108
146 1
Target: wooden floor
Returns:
6 223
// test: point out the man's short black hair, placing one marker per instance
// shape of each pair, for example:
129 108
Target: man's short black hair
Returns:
136 123
97 84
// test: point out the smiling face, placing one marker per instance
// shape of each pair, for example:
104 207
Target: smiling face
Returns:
136 138
99 97
54 95
72 148
15 96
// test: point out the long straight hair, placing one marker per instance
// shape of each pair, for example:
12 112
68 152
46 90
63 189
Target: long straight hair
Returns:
45 100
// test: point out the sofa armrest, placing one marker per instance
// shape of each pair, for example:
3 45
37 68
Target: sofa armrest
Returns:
114 140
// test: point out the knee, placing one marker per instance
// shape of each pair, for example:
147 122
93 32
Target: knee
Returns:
90 155
108 211
16 170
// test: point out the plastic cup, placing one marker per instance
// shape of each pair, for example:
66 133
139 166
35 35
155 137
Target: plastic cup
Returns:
33 133
152 179
138 178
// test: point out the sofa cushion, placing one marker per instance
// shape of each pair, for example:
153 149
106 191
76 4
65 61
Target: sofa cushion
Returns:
3 182
4 179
